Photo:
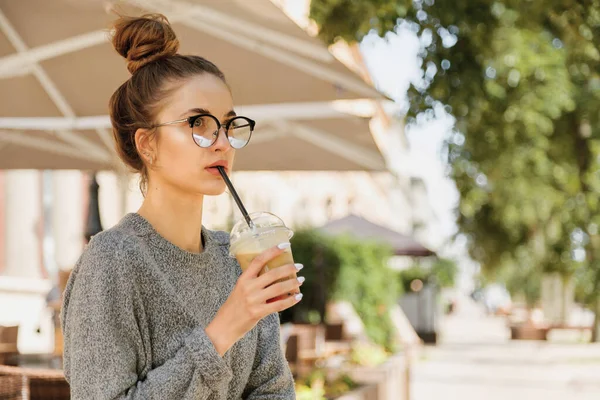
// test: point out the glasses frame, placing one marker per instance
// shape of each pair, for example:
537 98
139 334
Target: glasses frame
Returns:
192 120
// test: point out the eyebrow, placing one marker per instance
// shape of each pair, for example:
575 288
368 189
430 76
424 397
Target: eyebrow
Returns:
196 111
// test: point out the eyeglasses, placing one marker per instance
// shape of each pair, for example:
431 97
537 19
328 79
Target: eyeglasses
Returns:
206 128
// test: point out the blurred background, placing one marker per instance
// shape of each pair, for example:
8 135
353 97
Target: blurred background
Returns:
437 160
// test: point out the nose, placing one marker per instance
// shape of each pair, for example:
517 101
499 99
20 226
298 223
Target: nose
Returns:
222 142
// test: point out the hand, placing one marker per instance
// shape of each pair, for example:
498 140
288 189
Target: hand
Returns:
252 299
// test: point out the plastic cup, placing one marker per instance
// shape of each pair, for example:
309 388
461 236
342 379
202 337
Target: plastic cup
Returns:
268 231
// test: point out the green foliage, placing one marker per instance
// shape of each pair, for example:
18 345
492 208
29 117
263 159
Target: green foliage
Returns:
442 272
523 281
405 277
322 264
340 386
522 80
585 290
305 392
316 386
368 283
368 354
344 268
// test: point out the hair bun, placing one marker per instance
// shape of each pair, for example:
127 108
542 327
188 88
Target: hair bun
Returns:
142 40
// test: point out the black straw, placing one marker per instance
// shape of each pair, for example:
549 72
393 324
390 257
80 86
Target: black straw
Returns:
235 196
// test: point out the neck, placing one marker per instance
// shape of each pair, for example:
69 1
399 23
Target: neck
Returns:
176 216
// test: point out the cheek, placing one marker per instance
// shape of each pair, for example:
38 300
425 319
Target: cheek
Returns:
178 151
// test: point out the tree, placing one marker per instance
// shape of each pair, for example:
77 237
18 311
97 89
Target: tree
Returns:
522 80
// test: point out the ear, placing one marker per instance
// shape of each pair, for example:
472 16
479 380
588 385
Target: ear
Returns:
146 144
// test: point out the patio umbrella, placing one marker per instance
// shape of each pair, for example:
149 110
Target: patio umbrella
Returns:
58 70
361 228
331 140
337 142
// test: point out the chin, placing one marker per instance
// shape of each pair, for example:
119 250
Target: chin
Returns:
212 188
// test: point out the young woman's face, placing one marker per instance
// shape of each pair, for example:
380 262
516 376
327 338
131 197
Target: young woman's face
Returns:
179 162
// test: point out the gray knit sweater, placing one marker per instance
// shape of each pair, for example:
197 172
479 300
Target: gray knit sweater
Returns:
134 314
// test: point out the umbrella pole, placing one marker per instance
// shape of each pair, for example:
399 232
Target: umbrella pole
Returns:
93 223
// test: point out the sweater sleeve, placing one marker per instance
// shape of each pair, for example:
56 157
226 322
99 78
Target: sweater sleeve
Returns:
107 348
271 377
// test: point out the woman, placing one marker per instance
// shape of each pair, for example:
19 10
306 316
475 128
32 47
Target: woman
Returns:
156 308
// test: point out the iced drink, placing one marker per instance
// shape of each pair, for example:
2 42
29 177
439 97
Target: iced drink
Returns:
268 231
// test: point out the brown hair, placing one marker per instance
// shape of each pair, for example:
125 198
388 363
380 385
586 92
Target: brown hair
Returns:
150 46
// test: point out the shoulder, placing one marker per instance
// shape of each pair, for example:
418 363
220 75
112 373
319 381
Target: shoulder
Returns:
113 251
105 272
114 244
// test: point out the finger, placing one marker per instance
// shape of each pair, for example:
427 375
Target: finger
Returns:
280 305
283 272
285 288
263 258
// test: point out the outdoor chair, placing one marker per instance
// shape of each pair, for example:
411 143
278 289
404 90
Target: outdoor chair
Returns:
9 351
33 384
14 387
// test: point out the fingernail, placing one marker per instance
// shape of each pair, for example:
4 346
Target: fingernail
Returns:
299 267
299 296
283 246
301 279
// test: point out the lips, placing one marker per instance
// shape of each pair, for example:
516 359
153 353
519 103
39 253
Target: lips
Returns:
212 168
220 163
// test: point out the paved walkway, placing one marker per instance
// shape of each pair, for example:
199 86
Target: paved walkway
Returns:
476 360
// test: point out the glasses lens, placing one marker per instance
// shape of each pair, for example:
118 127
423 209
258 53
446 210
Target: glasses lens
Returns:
205 131
240 130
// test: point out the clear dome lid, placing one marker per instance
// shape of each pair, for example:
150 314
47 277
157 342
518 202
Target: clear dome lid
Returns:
263 221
